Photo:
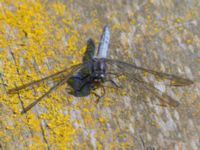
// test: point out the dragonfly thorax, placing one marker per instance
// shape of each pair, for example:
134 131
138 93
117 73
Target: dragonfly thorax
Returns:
98 70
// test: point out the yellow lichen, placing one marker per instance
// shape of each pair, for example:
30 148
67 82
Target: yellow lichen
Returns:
29 35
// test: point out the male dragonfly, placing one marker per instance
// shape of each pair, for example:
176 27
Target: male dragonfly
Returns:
99 69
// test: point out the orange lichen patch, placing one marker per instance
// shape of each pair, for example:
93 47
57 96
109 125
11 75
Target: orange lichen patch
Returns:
39 145
34 45
107 101
59 8
60 129
102 119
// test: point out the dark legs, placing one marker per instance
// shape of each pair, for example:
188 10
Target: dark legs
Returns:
83 85
99 96
114 83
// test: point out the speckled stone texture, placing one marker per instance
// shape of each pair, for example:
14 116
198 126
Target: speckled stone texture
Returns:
162 35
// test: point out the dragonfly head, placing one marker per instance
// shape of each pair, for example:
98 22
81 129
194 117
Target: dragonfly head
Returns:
98 70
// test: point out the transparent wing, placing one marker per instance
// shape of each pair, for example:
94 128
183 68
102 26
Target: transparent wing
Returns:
54 76
132 69
27 108
141 86
59 83
135 76
163 97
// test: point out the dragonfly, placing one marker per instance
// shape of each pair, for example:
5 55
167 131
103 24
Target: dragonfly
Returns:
97 70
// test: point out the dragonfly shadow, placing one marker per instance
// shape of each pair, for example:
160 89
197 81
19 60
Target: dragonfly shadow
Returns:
79 86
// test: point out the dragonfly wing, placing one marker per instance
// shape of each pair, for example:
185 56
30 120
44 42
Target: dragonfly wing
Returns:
53 76
164 99
142 86
61 82
133 69
27 108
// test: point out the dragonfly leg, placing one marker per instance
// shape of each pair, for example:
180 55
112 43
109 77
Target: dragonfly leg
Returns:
98 96
114 83
102 95
104 91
